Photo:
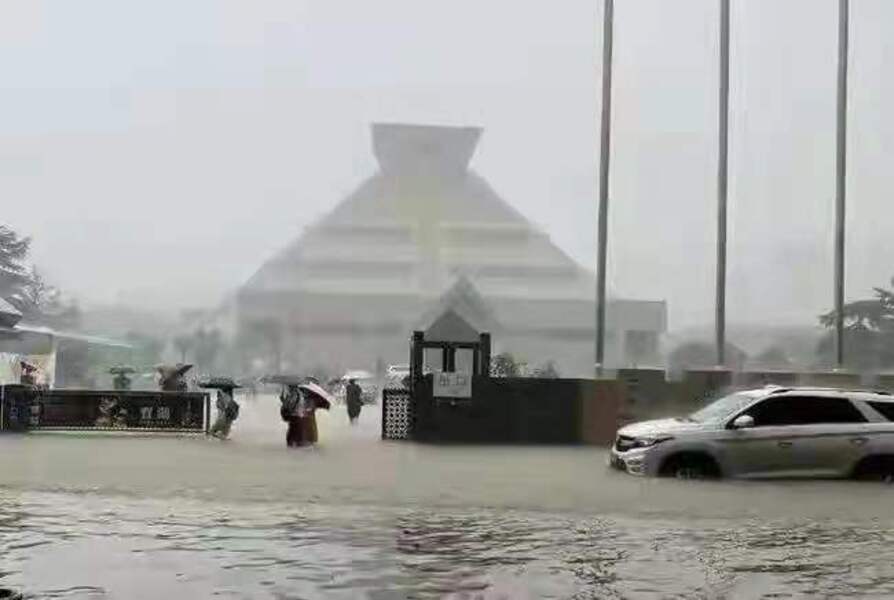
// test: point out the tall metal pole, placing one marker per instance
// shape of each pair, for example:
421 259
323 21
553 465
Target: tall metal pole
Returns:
840 177
722 184
604 154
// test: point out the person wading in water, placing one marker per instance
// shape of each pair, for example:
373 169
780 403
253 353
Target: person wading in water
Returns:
354 400
299 403
227 412
293 411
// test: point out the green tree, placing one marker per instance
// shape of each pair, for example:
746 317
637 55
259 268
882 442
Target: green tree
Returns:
868 332
25 288
13 262
40 302
506 365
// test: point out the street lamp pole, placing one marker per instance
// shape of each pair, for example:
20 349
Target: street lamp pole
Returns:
840 177
722 184
604 155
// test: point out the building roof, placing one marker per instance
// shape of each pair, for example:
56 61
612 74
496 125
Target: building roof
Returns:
460 315
9 314
420 222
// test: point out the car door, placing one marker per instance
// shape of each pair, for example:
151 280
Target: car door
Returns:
830 438
765 449
800 435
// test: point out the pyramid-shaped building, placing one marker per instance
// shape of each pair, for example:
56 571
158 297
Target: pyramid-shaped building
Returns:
350 290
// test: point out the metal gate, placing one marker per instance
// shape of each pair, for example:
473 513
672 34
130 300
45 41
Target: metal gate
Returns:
398 417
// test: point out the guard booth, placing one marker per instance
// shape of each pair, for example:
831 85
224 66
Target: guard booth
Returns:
444 361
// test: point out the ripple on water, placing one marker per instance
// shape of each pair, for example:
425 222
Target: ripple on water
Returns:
78 547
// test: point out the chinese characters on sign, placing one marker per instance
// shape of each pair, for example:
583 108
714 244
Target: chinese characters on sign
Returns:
162 413
452 385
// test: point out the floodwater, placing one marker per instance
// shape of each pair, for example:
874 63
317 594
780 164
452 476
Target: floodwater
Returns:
138 517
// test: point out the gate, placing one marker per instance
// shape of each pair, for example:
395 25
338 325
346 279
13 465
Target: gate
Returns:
398 416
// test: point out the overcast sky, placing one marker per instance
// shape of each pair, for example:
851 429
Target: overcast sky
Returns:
159 151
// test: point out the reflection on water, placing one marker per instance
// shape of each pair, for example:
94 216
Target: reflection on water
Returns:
179 518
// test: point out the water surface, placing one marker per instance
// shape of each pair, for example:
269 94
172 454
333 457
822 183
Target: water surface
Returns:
146 517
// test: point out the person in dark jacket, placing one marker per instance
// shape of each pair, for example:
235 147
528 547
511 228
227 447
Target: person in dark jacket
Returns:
354 400
292 412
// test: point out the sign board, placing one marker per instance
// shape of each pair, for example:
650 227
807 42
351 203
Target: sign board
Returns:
25 408
452 385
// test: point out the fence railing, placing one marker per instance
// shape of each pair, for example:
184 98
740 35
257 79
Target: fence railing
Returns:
398 418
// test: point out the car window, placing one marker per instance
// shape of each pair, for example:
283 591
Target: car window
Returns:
721 409
886 409
804 410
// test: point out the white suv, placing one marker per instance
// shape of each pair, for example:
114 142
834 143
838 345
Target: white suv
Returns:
769 432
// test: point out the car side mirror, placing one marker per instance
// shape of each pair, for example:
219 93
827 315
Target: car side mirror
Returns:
743 422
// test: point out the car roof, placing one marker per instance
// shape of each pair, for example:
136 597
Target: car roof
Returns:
859 394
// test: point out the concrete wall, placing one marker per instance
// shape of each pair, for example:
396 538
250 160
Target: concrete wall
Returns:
587 411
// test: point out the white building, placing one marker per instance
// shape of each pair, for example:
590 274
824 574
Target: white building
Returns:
350 290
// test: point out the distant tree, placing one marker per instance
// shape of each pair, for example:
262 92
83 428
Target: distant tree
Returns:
506 365
25 288
42 303
13 262
868 332
702 355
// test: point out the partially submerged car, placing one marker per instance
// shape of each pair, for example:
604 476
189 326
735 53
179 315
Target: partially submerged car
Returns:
767 433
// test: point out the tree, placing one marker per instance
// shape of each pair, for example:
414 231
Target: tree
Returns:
868 332
40 302
702 355
25 288
13 256
506 365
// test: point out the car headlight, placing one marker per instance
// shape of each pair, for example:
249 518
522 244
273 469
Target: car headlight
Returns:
647 442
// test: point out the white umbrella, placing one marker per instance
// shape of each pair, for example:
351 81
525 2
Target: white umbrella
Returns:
316 390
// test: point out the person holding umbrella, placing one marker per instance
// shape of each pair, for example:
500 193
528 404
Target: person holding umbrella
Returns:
292 410
227 407
28 375
299 404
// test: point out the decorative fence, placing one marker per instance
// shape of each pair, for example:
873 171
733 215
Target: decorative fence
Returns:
398 418
24 409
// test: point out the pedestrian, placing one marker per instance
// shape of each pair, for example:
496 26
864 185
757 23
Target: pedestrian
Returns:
354 400
227 412
28 374
292 411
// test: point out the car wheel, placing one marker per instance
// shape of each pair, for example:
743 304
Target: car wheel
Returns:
691 466
875 468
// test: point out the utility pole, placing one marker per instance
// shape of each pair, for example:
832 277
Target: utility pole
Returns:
604 155
841 177
722 184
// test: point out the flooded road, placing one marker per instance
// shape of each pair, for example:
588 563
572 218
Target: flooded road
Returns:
136 517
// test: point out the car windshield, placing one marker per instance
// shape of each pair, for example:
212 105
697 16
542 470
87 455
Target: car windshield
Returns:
721 409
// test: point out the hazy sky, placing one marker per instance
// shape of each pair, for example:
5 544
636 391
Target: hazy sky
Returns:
159 151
